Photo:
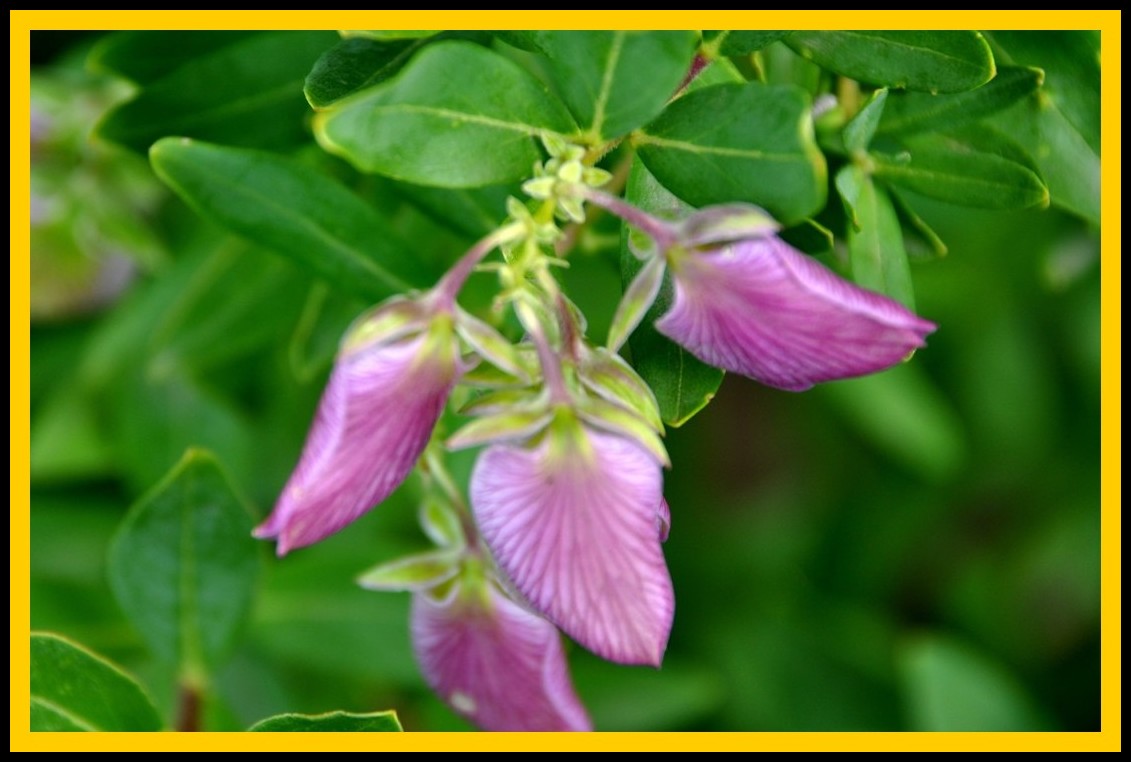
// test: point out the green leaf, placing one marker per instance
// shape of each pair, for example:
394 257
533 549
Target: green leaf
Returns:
952 688
907 113
473 212
75 689
330 722
458 115
354 64
183 565
875 241
613 82
295 211
858 133
682 384
1059 125
748 142
918 226
975 167
245 94
741 42
147 56
934 61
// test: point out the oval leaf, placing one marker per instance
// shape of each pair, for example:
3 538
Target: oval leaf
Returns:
73 689
907 113
256 82
682 384
354 64
295 211
183 564
748 142
934 61
330 722
457 116
976 168
875 240
614 82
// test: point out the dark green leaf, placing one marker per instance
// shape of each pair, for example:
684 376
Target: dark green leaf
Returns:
858 132
810 237
918 226
614 82
354 64
75 689
908 113
934 61
183 565
245 94
458 115
474 212
749 142
742 42
875 242
952 688
331 722
974 167
147 56
1059 124
682 384
293 210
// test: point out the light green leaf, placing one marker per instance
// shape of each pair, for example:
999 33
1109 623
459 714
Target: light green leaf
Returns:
749 142
907 113
875 247
73 689
972 167
458 115
934 61
330 722
183 565
295 211
952 688
147 56
682 384
858 132
614 82
422 571
245 94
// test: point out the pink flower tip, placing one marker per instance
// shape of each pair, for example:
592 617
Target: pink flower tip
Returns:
760 308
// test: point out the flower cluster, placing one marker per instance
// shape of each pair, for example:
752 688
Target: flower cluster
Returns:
566 515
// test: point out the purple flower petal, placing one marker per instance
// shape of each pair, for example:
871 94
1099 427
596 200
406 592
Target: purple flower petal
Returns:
765 310
373 423
574 522
495 663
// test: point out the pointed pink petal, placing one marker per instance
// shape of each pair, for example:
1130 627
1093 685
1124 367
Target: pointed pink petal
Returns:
497 664
765 310
577 534
373 423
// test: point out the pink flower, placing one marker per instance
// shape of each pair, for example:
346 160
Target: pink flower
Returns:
575 522
761 308
495 663
385 394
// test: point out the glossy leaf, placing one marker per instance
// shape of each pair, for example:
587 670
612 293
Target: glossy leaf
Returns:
183 565
933 61
907 113
73 689
145 56
295 211
682 384
458 115
256 81
875 242
613 82
975 167
354 64
330 722
749 142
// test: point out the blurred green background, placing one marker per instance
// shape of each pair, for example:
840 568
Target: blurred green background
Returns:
917 550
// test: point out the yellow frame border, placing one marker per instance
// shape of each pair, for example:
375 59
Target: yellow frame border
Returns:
1108 22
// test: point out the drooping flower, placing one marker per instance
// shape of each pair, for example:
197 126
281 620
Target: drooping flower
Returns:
498 665
574 519
761 308
388 387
